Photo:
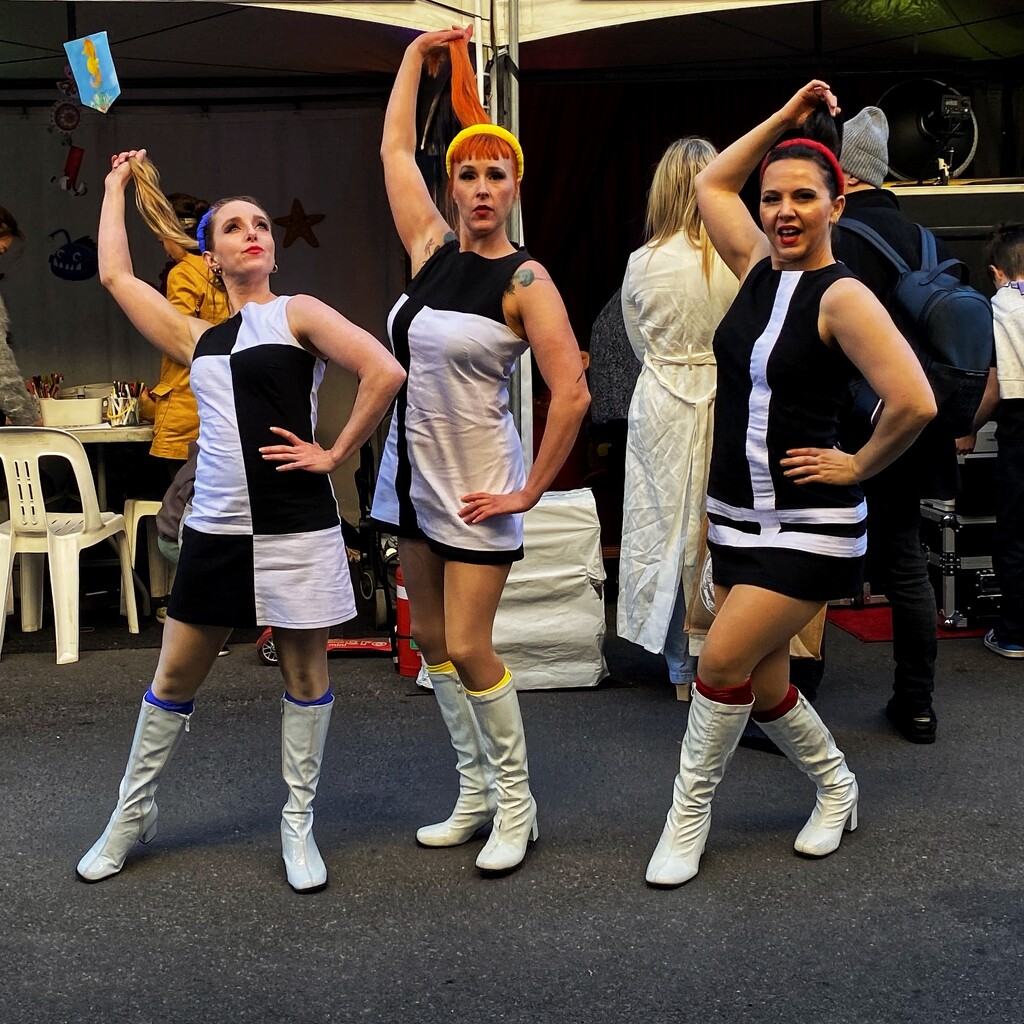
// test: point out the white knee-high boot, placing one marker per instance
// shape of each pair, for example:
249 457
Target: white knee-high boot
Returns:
303 736
476 803
806 741
712 732
504 746
157 733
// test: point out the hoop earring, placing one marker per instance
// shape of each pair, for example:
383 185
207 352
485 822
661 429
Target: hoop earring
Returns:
274 271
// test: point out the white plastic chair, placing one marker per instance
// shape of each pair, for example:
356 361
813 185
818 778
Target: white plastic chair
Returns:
161 572
35 535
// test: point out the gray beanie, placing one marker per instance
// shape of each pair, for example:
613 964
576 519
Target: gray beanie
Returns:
865 152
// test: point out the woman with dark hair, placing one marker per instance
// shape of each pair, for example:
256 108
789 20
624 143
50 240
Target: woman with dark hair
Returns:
786 514
16 404
263 544
675 291
452 484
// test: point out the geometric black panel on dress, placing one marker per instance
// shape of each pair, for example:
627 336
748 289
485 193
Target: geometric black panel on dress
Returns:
272 385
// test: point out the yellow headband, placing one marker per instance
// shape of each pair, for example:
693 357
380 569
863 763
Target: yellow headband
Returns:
486 129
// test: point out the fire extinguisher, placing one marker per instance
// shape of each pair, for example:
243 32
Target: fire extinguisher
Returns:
407 657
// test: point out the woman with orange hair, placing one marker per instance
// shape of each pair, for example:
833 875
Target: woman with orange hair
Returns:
452 483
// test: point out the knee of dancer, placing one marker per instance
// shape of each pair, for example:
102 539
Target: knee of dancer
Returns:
720 669
179 707
475 661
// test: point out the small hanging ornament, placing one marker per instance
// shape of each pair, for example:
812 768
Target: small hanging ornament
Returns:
69 179
66 116
66 86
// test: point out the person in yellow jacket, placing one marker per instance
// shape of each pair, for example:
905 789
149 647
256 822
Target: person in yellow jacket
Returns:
191 287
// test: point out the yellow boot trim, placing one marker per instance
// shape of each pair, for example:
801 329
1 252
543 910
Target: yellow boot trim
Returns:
445 666
504 681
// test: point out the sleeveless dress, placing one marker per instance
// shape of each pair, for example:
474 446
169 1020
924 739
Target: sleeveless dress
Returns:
781 387
452 432
260 547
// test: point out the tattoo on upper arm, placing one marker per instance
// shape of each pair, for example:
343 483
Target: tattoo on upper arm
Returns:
523 277
430 247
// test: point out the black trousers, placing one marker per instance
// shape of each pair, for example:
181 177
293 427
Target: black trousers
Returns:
898 566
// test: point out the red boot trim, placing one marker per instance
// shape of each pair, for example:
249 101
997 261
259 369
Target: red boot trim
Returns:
738 695
782 708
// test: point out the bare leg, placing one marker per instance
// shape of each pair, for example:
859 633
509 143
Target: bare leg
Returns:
752 625
187 652
471 595
302 654
424 576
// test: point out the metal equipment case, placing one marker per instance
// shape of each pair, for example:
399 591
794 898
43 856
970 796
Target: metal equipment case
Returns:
959 538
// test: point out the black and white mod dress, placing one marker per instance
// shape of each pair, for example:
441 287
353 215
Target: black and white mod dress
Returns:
781 387
260 547
452 433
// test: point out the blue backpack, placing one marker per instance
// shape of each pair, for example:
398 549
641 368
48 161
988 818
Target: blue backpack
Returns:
947 323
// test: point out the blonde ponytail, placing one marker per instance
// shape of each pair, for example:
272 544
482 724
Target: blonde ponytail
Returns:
155 207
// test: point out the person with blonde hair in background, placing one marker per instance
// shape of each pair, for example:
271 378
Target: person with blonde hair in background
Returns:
675 291
452 483
263 544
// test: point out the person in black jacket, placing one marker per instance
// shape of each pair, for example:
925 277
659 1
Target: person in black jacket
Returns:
897 563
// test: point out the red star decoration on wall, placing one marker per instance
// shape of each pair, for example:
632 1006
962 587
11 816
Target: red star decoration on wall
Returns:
299 224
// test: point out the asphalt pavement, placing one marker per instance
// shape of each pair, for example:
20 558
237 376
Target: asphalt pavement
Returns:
918 917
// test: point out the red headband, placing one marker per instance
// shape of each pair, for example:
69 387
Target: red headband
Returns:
824 150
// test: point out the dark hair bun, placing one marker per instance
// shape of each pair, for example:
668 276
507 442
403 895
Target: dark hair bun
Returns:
823 127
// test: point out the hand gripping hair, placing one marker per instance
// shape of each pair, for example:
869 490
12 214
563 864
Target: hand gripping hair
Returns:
155 207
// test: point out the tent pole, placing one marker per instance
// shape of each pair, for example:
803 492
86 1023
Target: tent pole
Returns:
521 397
478 27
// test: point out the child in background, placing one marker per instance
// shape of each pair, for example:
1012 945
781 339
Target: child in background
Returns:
1004 397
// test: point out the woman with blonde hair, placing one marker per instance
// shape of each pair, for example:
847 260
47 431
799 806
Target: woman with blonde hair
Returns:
452 484
263 543
787 518
675 291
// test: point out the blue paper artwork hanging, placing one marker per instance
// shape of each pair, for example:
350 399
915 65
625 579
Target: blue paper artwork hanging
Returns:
93 70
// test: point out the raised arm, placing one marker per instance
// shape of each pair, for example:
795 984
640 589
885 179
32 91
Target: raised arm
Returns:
155 318
326 333
858 322
733 231
536 311
420 225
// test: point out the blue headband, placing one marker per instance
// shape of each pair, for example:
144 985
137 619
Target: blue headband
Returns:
204 223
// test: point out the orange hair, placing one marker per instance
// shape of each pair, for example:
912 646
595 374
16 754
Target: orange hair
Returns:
469 111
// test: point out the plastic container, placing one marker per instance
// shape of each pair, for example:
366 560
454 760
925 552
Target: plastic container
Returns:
72 412
87 390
